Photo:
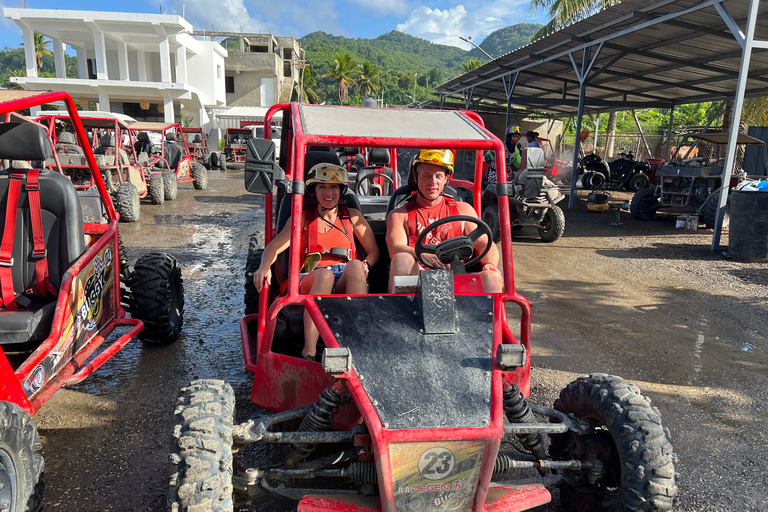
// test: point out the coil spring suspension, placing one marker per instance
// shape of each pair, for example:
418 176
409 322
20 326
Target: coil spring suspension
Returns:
319 419
517 411
362 472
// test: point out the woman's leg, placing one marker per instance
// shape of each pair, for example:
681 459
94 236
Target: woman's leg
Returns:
352 280
318 282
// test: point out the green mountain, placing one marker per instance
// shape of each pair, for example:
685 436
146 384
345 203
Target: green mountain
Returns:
505 40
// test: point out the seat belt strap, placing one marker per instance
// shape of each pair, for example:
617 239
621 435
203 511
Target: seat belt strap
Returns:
43 286
6 247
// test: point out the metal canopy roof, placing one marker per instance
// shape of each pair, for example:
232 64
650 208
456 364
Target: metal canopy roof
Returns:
642 54
722 138
388 123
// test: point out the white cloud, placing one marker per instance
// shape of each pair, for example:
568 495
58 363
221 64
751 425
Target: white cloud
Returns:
384 7
444 26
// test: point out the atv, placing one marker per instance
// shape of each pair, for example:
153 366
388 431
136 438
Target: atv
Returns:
162 147
66 286
624 172
415 391
693 185
533 200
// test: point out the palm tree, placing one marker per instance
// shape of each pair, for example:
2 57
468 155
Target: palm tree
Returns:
310 82
343 68
368 83
564 12
41 48
471 64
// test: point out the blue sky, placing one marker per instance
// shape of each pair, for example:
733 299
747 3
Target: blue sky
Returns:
440 21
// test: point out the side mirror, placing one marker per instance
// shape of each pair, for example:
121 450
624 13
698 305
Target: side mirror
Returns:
261 169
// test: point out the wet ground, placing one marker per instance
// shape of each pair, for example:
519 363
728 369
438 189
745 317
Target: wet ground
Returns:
642 300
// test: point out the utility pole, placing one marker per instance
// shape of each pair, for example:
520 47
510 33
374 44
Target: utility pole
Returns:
415 75
468 39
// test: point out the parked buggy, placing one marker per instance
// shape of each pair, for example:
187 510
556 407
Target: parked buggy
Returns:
197 143
235 143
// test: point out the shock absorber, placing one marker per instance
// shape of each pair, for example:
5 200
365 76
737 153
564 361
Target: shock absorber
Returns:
517 411
318 419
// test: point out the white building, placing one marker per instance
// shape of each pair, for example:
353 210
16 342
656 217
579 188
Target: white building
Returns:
127 62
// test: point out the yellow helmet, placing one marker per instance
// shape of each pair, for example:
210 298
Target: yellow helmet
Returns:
441 157
327 173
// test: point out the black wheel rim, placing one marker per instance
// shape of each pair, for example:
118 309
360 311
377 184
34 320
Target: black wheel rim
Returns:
7 482
606 490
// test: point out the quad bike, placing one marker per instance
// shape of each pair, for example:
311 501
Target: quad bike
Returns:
170 156
533 200
624 172
66 286
415 391
197 142
694 185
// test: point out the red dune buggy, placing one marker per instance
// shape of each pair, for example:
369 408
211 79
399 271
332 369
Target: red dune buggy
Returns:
419 395
61 270
235 141
197 142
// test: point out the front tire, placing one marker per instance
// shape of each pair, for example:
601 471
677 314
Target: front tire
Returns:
597 181
156 189
554 224
708 210
200 176
638 181
627 439
127 202
491 217
21 464
170 185
201 455
157 298
643 204
222 162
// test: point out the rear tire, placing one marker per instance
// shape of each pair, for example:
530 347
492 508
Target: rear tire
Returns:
157 298
170 185
223 162
214 160
201 455
200 176
597 181
554 225
127 202
491 217
628 439
585 180
156 189
207 162
708 210
106 177
638 181
643 204
21 464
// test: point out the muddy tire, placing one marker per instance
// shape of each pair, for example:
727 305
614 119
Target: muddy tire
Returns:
708 210
643 204
200 176
170 185
207 162
252 264
156 189
127 202
21 464
222 162
638 181
628 439
214 160
553 224
491 217
157 298
201 453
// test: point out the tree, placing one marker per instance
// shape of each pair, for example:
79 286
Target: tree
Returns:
41 48
309 78
368 82
562 13
471 64
17 72
343 68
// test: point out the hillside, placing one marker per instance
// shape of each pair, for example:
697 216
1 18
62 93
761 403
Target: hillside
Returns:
505 40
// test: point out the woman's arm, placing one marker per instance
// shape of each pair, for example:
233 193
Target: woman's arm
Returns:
364 233
275 247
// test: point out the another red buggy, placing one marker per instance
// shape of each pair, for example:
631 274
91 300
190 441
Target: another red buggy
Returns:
417 390
197 142
235 141
61 269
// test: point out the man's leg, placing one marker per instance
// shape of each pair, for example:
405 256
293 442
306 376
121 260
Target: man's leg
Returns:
402 264
492 281
318 282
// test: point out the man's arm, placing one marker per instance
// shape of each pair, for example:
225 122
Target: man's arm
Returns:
397 236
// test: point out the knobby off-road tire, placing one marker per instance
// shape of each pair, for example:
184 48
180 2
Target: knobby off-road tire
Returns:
554 224
127 202
252 263
708 210
106 177
21 464
170 185
200 176
643 204
214 160
628 439
638 181
157 298
491 217
201 456
222 162
125 275
156 189
207 161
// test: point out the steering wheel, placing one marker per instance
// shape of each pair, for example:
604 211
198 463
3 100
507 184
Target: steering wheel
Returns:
461 247
370 177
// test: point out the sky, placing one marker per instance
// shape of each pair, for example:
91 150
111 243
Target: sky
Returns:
439 21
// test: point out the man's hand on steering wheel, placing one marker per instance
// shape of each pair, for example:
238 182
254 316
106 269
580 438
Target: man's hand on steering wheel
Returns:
461 247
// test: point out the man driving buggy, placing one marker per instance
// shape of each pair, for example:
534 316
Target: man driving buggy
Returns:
428 175
328 237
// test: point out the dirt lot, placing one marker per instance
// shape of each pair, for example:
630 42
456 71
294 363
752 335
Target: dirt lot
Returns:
644 301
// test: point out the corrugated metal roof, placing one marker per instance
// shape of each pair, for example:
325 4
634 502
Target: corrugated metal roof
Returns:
257 113
644 54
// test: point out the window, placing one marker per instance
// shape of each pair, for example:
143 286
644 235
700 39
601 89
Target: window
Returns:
229 82
218 71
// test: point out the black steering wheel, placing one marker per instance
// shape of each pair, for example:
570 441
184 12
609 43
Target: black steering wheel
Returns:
461 247
370 177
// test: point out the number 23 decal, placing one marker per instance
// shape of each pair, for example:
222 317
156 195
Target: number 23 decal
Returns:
436 463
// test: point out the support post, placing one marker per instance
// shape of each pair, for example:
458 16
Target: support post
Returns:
58 58
104 102
28 35
669 131
642 135
122 60
181 65
509 88
746 55
141 60
168 115
82 63
597 129
101 52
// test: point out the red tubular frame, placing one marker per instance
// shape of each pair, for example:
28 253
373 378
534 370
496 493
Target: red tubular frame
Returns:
78 368
282 382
